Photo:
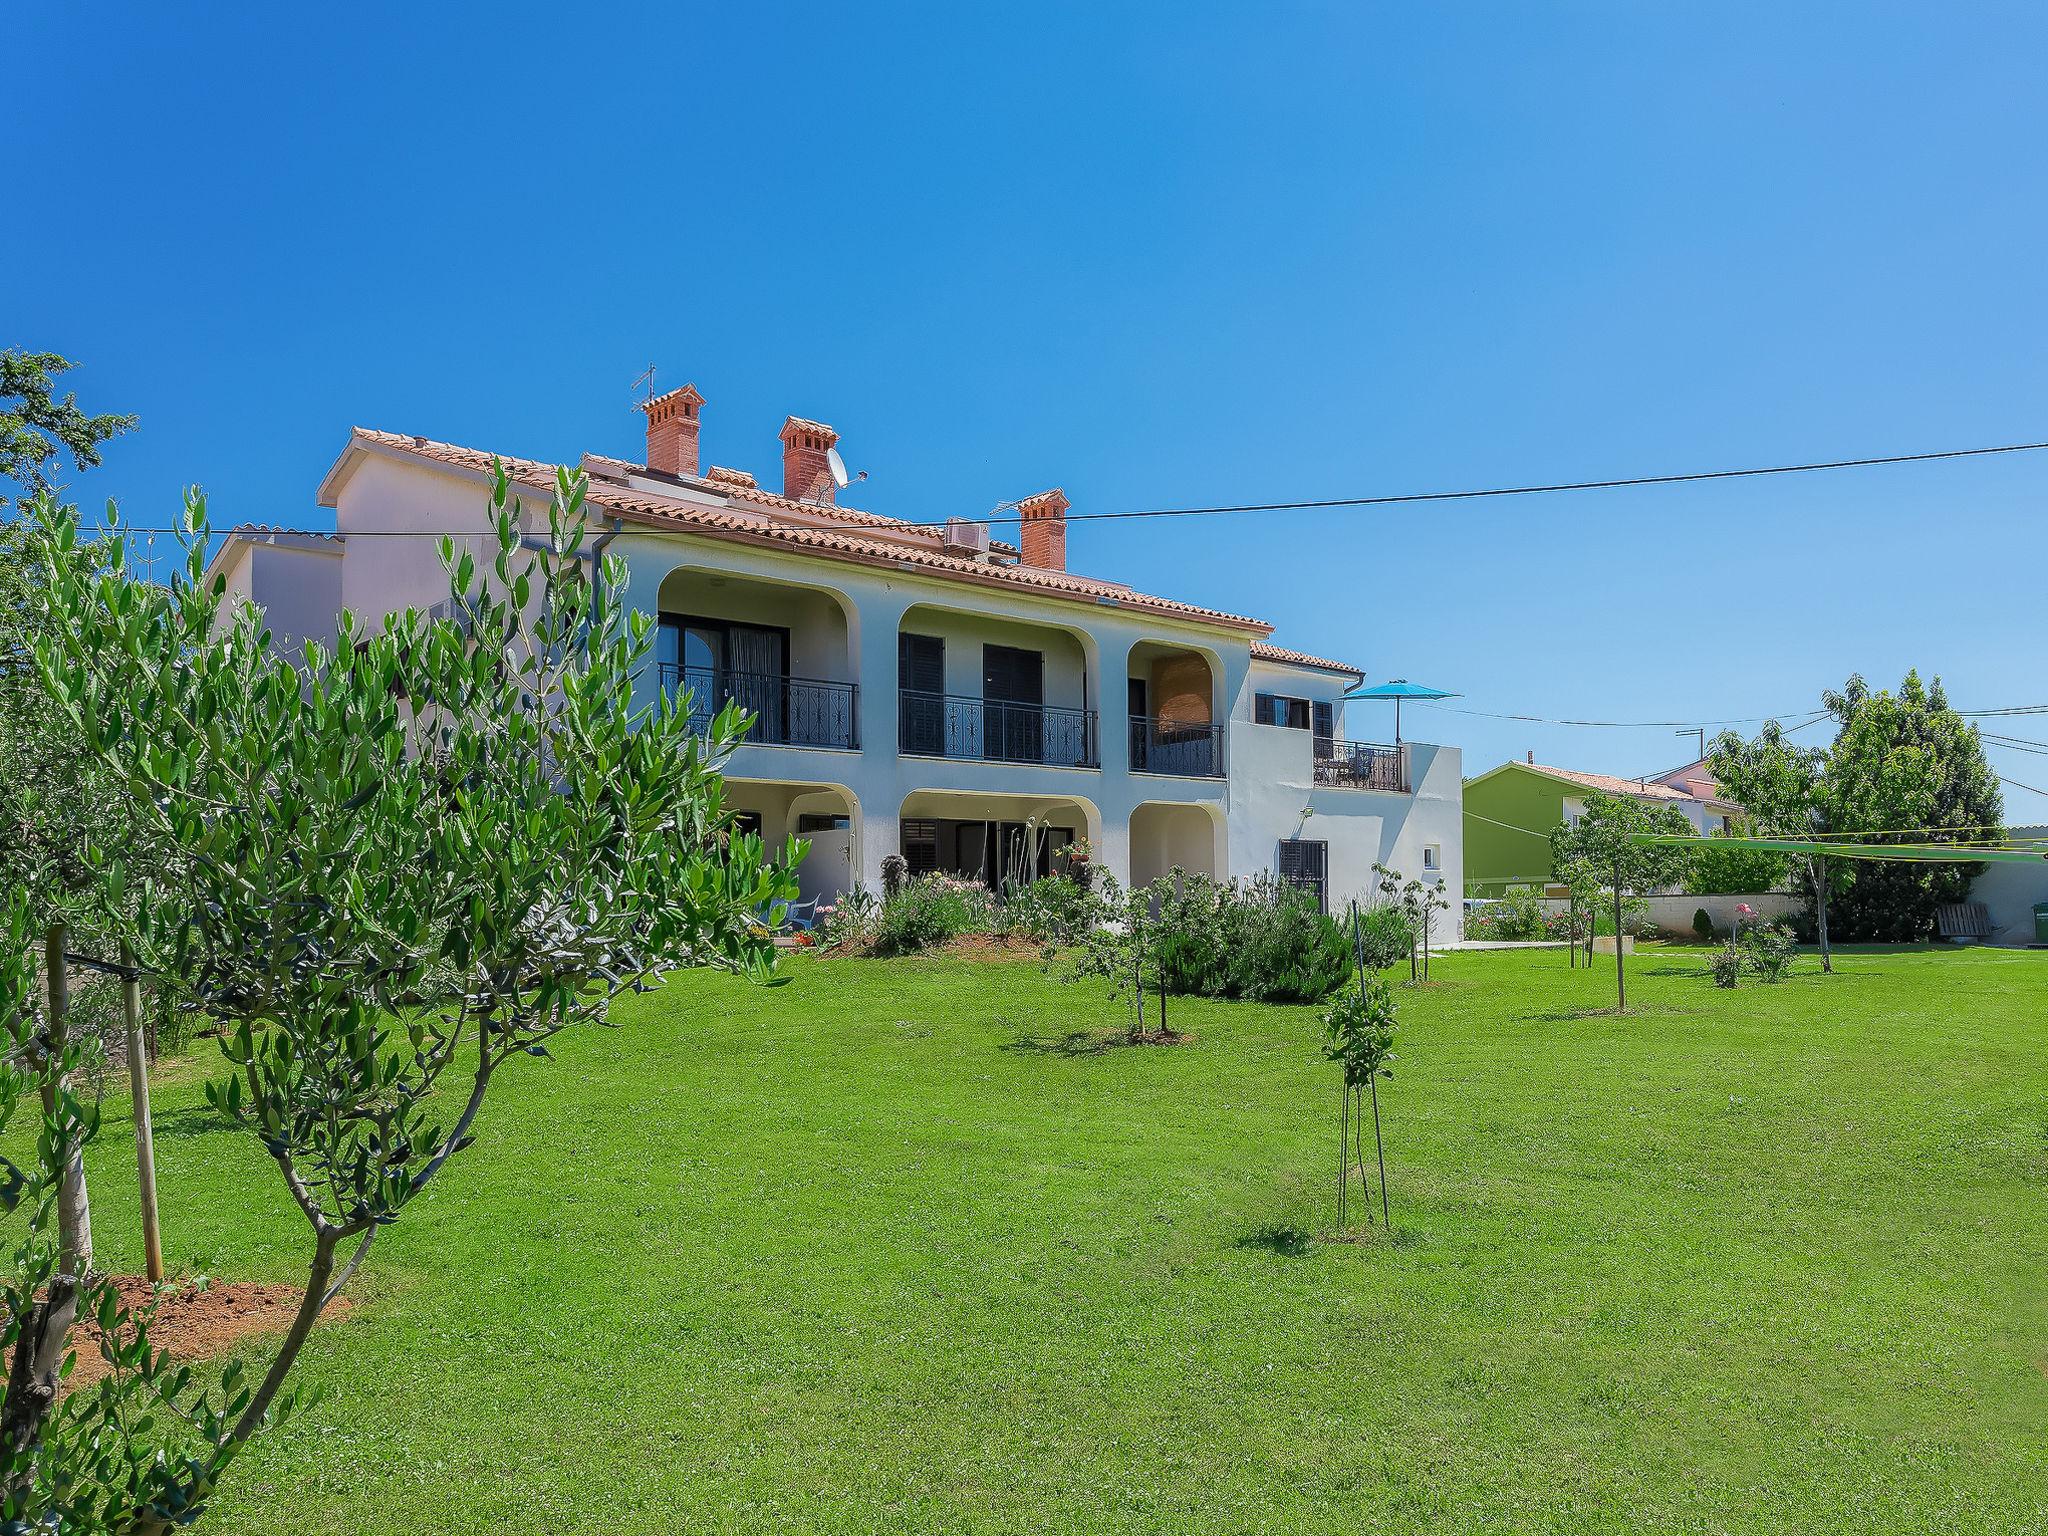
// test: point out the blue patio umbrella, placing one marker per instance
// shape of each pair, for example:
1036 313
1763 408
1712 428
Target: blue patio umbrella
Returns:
1398 689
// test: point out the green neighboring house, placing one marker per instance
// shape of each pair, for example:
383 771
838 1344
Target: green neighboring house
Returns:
1509 813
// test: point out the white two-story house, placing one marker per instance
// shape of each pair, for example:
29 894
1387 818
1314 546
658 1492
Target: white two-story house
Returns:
931 692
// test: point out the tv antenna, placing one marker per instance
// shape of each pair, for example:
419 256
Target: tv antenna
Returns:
646 379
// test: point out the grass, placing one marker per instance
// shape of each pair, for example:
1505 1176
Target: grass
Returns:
896 1248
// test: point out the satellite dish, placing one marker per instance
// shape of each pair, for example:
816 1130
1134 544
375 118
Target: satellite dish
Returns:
838 467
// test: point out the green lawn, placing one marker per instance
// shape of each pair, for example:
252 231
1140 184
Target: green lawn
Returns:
875 1252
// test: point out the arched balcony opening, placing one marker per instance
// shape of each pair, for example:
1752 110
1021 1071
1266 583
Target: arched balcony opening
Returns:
783 652
1174 717
996 689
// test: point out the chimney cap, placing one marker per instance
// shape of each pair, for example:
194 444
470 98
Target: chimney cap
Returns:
1045 504
796 425
664 405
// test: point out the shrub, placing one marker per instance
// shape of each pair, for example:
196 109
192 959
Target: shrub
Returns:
850 921
1767 951
1519 915
931 910
1387 937
1727 966
1056 911
1702 925
1263 940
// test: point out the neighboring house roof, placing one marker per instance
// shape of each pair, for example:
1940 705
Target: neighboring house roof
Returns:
1610 784
1607 783
1263 651
243 535
749 515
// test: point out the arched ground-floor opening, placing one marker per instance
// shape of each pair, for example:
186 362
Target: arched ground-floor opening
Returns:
826 816
1166 837
994 839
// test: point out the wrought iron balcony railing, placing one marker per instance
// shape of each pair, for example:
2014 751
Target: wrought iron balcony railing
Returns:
1194 750
788 711
995 730
1361 765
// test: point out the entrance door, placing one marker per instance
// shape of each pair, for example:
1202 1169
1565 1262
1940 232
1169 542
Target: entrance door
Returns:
1013 695
921 697
1140 726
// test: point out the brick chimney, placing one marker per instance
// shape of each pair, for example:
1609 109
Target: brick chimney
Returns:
1044 542
805 474
672 423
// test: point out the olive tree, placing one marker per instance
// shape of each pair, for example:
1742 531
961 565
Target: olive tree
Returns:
1599 851
409 860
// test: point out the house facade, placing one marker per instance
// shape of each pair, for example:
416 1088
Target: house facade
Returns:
1511 810
932 692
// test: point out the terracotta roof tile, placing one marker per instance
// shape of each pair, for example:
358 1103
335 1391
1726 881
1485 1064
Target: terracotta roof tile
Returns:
749 516
1262 651
1608 784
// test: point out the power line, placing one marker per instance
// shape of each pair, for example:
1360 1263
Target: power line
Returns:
1621 725
1336 503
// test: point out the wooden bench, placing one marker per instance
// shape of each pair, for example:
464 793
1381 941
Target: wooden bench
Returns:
1963 922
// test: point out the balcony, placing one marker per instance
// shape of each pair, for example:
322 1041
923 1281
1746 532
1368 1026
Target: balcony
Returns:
1176 747
1361 765
995 731
788 711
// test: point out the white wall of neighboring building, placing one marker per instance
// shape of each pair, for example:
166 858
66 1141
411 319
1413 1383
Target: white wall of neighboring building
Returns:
2009 892
293 578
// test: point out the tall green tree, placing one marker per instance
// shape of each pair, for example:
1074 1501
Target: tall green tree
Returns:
36 424
1905 767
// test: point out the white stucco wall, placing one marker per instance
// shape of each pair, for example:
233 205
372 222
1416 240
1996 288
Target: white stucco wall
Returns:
299 591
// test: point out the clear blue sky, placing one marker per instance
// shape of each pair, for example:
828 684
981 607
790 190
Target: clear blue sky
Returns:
1158 256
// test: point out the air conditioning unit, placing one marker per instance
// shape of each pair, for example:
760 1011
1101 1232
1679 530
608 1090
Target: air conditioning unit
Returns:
965 537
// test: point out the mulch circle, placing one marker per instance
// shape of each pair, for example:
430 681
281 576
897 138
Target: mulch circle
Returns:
194 1321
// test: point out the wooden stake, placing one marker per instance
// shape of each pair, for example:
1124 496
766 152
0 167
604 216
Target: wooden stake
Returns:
1820 879
1385 1220
1343 1157
138 1089
74 1211
1620 970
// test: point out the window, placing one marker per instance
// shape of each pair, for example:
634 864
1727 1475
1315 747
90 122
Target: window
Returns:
921 677
810 822
1432 858
921 845
1306 864
1281 709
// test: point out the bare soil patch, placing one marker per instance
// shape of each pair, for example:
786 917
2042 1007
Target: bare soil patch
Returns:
194 1321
